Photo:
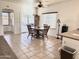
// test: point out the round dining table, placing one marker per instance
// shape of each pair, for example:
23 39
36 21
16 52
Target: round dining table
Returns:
37 31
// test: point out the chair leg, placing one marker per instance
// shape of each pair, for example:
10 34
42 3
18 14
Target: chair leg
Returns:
46 37
31 37
43 36
28 36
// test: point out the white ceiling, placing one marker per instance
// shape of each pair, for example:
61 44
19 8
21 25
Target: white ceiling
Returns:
48 2
45 2
11 0
15 0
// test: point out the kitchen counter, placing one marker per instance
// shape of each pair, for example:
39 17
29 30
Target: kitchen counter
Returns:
72 34
5 51
71 39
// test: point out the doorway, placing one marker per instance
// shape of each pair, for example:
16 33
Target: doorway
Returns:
8 21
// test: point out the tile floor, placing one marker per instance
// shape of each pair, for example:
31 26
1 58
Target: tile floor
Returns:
27 48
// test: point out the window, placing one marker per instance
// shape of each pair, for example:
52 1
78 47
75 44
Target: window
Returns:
30 19
5 20
49 18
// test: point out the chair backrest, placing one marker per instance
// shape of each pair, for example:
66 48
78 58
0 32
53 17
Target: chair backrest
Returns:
46 28
45 24
29 29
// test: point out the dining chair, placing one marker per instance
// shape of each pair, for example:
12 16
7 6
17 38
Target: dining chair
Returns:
45 26
44 32
46 29
30 31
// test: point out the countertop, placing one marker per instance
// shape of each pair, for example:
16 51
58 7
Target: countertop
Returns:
5 51
71 34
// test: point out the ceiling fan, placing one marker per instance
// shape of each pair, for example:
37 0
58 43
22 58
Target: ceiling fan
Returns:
40 4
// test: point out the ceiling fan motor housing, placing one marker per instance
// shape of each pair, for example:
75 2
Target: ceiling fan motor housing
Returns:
40 4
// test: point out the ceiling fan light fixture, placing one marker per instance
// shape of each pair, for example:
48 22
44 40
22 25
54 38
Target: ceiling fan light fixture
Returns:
40 5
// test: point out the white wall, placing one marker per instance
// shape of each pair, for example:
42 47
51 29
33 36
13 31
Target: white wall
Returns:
16 8
68 13
1 28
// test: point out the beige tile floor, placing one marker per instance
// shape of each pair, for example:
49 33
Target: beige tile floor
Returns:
27 48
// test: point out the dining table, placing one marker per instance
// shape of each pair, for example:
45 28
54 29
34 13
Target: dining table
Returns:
37 31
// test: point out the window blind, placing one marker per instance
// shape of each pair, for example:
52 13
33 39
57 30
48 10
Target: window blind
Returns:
50 19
